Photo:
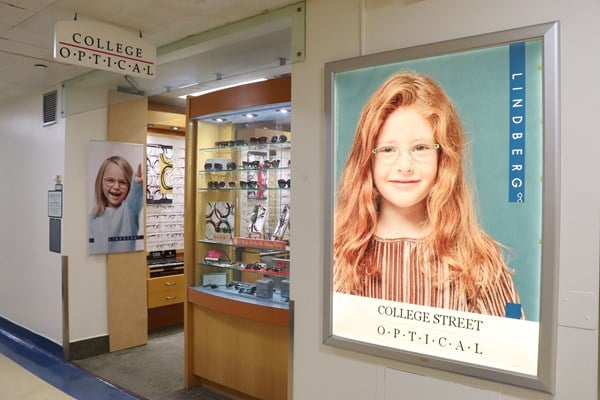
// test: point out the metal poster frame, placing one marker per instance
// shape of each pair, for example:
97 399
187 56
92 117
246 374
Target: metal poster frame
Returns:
477 73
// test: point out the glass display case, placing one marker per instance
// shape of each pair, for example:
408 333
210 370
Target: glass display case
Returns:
243 203
237 238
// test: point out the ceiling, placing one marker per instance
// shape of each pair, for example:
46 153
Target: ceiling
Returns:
27 30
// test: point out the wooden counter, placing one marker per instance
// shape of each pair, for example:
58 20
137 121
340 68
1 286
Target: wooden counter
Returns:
240 345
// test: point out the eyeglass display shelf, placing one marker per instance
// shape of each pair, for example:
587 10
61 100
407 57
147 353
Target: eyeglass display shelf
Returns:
230 293
238 267
224 171
205 189
262 244
248 146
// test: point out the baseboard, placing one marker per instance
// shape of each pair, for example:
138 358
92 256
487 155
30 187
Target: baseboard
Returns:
25 335
88 347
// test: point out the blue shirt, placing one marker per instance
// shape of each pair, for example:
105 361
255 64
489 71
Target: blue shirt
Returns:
117 229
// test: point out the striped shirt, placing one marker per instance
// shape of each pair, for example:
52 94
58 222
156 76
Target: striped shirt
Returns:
404 278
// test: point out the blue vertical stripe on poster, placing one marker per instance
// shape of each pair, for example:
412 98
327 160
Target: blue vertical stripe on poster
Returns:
517 107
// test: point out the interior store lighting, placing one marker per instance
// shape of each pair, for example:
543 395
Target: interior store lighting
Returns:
222 87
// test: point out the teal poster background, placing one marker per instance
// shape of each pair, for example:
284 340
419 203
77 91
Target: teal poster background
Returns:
478 82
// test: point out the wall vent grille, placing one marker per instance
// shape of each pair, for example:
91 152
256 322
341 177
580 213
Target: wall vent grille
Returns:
50 107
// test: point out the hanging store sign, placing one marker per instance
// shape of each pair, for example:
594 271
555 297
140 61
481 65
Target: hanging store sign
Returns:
102 46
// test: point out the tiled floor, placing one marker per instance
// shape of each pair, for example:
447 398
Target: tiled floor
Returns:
29 373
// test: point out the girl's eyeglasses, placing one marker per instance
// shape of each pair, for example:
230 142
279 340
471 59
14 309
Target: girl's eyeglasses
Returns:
419 152
111 182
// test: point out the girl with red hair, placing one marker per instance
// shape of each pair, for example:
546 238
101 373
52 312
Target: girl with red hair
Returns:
405 227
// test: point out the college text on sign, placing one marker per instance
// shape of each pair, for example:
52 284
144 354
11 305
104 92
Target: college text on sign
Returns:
102 46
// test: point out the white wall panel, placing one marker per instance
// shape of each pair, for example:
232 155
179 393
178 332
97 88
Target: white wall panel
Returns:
32 155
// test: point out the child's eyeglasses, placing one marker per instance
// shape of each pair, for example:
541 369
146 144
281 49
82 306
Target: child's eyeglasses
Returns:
419 152
111 182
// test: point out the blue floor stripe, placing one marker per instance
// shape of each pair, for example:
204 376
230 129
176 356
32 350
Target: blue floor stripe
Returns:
60 374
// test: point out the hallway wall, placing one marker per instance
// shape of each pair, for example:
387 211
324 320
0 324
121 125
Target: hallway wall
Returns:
30 288
370 26
87 273
32 155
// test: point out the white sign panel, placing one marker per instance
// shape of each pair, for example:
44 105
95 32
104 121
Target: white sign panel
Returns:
102 46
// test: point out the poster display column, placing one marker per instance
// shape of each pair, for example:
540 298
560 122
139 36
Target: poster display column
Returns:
126 272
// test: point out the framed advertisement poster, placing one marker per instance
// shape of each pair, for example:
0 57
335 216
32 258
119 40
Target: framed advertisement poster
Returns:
442 198
115 197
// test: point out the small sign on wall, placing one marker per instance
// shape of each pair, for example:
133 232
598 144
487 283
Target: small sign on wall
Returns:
102 46
55 203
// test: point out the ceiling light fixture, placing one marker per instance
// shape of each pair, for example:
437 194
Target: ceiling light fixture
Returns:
222 87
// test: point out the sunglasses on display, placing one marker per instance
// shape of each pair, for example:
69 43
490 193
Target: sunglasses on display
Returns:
282 183
256 140
250 164
220 184
272 163
248 184
225 143
231 143
256 266
280 139
213 166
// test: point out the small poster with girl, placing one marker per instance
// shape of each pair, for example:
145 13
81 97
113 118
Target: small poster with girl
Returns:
116 195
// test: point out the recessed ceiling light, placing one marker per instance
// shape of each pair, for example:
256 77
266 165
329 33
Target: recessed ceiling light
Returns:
250 115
